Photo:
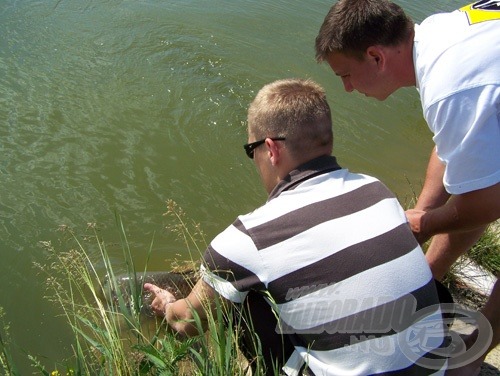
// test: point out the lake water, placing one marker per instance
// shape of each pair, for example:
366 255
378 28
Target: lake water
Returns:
113 107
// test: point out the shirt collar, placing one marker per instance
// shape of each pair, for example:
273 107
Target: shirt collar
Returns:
308 170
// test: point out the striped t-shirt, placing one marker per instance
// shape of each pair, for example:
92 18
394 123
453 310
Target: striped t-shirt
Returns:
349 282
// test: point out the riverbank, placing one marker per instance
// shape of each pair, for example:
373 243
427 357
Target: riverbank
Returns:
471 289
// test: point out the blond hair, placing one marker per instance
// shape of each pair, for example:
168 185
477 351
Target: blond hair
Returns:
296 109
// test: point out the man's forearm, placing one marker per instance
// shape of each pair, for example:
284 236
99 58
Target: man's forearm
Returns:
463 212
180 318
433 194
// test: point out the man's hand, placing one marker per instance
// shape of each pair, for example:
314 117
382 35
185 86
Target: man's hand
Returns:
415 219
162 298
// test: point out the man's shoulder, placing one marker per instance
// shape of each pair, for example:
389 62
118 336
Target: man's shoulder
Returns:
451 62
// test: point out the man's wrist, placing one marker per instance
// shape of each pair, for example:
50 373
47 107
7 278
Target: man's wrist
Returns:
167 310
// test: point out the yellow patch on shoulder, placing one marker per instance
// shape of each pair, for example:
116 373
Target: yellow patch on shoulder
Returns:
484 10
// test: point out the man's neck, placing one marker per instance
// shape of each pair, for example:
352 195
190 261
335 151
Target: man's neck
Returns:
318 165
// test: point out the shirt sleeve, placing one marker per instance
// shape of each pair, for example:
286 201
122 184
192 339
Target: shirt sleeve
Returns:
231 262
467 136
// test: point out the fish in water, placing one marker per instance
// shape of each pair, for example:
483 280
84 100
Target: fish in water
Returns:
125 286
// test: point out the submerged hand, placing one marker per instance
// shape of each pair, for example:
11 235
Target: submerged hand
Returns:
162 298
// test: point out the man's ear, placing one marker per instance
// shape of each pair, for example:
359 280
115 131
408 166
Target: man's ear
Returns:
273 151
376 55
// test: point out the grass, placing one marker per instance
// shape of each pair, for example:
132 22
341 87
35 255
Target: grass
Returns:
486 252
6 362
114 336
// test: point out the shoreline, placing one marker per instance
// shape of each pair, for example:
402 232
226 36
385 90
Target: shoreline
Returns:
472 288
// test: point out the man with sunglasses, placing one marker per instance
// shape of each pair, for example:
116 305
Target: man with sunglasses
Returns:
330 252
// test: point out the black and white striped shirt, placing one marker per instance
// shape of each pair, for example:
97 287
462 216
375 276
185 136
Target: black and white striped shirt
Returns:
343 271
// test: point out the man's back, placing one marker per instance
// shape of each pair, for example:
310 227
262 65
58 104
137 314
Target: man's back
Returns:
343 270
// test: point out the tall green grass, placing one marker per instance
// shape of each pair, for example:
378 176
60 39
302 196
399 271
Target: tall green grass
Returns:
486 252
7 365
113 336
106 331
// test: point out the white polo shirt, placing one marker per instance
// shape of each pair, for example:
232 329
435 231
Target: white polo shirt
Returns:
457 67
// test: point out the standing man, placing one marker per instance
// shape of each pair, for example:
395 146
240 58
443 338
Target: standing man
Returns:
330 250
453 59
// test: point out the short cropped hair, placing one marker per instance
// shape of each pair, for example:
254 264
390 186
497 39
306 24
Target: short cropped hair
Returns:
351 26
296 109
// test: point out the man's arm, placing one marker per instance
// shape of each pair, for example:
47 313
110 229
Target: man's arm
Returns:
461 213
445 249
180 314
433 194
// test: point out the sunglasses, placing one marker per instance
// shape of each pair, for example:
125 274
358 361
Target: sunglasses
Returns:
249 148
